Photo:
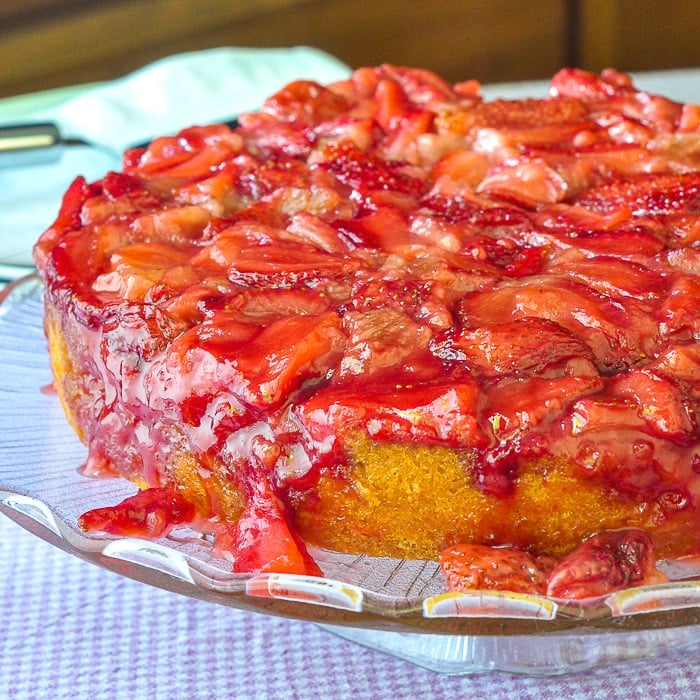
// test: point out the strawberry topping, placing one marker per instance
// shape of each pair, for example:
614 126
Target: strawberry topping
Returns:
514 282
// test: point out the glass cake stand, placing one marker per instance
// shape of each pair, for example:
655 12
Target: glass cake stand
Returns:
396 606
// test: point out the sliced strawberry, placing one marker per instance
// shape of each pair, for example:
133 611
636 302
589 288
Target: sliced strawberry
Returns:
286 263
679 361
486 214
151 513
462 167
610 441
594 233
659 402
468 567
378 340
679 314
584 85
618 336
267 138
255 178
523 347
589 165
252 253
391 102
519 415
433 413
530 183
71 204
422 87
364 172
137 267
304 103
385 229
604 563
646 195
122 186
193 153
286 353
614 91
266 306
403 140
423 300
520 121
517 406
261 367
263 539
611 276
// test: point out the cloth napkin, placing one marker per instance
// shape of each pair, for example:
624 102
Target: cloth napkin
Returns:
162 98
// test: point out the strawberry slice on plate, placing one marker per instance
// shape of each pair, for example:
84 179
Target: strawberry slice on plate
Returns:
604 563
479 567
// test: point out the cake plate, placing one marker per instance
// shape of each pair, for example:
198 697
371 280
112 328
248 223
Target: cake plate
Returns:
396 606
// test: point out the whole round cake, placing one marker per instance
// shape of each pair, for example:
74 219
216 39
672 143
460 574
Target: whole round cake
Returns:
386 316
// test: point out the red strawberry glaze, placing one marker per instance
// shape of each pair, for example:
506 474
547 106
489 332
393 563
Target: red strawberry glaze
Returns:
394 257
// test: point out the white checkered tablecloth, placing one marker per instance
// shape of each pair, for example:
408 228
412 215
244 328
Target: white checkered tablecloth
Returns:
72 631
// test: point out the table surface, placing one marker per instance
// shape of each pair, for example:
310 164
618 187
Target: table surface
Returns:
73 630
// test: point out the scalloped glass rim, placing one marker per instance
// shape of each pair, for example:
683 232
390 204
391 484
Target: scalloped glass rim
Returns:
41 489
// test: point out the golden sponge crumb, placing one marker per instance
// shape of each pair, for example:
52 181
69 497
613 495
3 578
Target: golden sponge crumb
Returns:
62 368
209 492
421 499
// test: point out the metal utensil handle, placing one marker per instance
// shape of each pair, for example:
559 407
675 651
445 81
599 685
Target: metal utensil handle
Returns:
28 136
25 144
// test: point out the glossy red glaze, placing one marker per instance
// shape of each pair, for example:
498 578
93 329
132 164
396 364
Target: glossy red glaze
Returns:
393 255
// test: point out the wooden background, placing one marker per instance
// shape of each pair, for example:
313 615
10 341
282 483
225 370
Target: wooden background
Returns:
50 43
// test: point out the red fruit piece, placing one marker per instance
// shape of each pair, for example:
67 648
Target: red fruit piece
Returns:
523 347
611 276
478 567
679 315
255 178
420 299
383 339
364 172
618 336
484 214
401 143
385 228
531 113
265 306
530 182
284 354
72 203
304 103
659 402
192 153
646 195
516 405
263 539
121 186
432 413
614 92
587 86
285 263
518 414
604 563
423 88
390 102
151 513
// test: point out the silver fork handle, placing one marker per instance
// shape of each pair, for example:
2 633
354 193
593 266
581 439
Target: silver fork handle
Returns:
29 144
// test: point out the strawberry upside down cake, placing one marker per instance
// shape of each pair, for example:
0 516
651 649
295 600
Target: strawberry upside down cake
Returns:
387 316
